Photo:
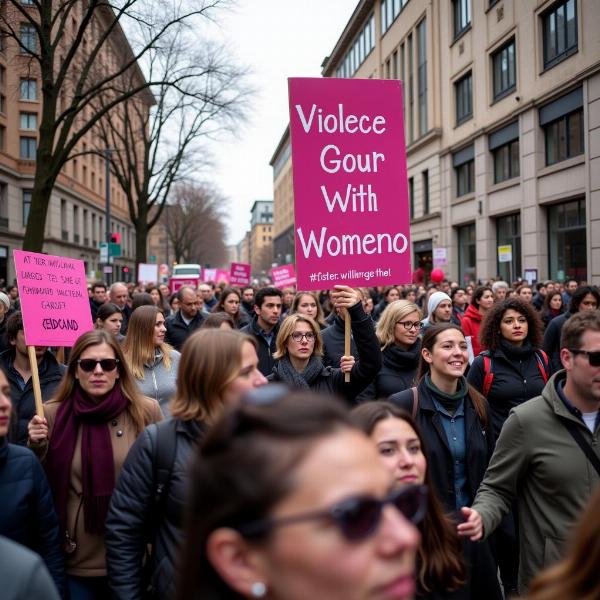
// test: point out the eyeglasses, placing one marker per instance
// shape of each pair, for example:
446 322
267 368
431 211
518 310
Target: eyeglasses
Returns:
356 518
593 357
408 325
298 336
106 364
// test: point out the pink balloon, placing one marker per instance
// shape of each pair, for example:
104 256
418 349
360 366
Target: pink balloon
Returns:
437 275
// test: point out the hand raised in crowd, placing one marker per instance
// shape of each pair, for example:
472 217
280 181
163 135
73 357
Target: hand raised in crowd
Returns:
344 296
37 429
473 525
346 363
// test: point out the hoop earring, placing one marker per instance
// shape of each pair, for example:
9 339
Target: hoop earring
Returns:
259 589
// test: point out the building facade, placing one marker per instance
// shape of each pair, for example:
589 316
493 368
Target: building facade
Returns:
76 220
260 246
502 127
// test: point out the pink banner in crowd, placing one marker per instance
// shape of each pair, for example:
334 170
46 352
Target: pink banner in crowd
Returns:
54 298
284 276
239 274
350 188
222 275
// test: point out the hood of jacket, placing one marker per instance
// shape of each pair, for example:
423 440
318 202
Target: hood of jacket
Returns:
473 313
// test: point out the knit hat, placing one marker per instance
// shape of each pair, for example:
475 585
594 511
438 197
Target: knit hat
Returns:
5 300
435 300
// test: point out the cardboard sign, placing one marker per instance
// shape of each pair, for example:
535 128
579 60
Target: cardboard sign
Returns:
239 274
505 253
284 276
440 257
54 298
147 273
350 187
176 283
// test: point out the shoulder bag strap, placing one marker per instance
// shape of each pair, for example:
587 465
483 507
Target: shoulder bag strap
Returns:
573 429
415 405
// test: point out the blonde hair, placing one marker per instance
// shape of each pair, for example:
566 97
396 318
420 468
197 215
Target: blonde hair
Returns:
138 347
287 328
396 310
298 298
210 361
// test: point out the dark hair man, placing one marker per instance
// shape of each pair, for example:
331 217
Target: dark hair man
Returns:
98 298
186 320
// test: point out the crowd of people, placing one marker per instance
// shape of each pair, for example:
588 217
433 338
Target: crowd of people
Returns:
221 443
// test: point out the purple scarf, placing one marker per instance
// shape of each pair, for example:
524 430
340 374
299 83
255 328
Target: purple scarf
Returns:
97 464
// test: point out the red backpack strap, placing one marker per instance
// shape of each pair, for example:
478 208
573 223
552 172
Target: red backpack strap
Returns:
543 364
415 406
488 376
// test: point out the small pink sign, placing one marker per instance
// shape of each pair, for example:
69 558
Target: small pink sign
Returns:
54 298
352 221
284 276
222 275
239 274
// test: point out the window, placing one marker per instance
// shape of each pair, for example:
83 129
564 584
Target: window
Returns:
464 167
403 78
467 253
26 206
425 192
360 49
411 93
28 89
3 205
390 9
29 121
2 136
27 148
422 75
395 64
464 98
462 16
504 146
559 32
508 233
567 240
411 197
28 38
504 70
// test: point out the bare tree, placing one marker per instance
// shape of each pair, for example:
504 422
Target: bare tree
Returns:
261 263
194 221
79 52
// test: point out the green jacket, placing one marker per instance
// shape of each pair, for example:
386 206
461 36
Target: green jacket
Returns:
537 462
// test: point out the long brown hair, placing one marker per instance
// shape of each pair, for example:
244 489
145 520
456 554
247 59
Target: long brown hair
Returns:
137 408
320 319
428 342
440 553
575 577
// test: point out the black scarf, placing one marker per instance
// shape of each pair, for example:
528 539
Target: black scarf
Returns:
513 352
289 375
398 359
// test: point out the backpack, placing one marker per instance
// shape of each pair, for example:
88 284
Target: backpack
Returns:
488 374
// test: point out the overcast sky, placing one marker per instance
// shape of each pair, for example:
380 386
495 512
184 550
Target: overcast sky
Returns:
277 39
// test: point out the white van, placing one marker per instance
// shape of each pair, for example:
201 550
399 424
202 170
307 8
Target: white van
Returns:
189 270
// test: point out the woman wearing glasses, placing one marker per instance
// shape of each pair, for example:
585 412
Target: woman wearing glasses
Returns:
299 350
398 333
88 429
317 519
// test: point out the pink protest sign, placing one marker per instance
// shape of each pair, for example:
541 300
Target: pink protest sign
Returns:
54 298
283 276
352 222
239 274
222 275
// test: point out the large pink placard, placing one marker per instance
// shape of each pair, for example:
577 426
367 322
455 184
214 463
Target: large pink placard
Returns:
239 274
352 222
283 276
54 298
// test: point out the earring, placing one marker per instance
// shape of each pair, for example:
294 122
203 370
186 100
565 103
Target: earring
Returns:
259 589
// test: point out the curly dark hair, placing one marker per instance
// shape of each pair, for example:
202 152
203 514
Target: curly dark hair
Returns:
489 333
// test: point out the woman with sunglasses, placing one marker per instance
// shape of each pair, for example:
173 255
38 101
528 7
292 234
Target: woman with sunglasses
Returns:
300 346
318 518
441 571
307 303
88 429
398 334
453 419
215 369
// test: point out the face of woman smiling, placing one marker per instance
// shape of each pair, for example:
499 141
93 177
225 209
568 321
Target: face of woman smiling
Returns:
449 356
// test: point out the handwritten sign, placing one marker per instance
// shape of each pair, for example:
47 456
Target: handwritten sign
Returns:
284 276
147 273
239 274
350 186
54 298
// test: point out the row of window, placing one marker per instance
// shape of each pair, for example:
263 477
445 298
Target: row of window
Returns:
390 9
360 49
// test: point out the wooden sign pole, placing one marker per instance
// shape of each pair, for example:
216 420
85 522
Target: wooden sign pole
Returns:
35 378
347 332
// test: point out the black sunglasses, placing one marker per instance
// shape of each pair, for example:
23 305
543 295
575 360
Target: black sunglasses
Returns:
593 357
106 364
356 518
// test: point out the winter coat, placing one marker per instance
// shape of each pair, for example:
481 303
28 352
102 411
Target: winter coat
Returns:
159 382
378 310
23 401
264 351
23 574
330 380
178 331
471 323
333 343
551 343
130 516
94 308
537 461
89 560
515 381
27 514
397 373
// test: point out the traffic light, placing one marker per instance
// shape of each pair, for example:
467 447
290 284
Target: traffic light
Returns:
125 269
115 238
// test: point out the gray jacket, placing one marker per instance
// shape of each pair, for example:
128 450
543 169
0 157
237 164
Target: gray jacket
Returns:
159 382
537 462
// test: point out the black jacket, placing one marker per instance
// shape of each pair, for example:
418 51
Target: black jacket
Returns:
27 514
331 381
94 306
178 331
551 343
132 508
514 382
264 351
397 372
333 343
23 401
